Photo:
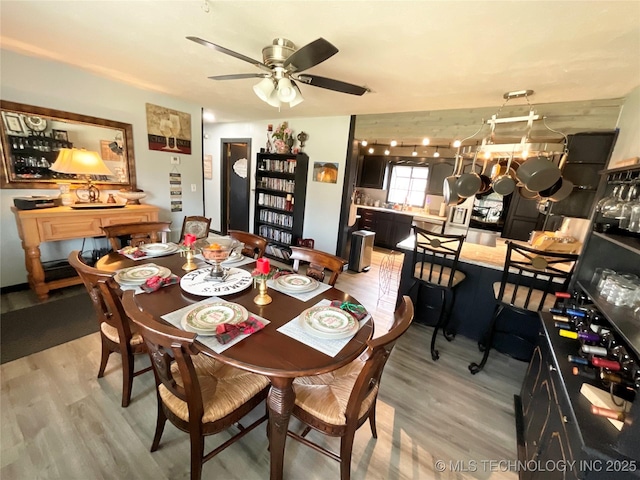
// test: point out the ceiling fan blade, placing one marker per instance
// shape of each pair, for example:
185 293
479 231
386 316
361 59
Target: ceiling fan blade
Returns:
237 55
238 76
331 84
310 55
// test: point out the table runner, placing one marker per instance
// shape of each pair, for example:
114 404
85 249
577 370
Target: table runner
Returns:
331 348
175 319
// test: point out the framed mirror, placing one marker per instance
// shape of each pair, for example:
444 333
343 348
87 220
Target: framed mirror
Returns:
32 138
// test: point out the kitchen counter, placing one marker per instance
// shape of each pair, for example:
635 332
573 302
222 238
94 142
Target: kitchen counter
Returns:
483 256
417 215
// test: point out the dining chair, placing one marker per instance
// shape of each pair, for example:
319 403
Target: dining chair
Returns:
116 333
435 266
136 233
318 262
254 245
199 395
306 242
339 402
529 280
195 225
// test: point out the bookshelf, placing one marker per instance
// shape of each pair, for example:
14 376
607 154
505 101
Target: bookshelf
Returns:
281 188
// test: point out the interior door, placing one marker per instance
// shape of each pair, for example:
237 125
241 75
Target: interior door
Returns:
236 175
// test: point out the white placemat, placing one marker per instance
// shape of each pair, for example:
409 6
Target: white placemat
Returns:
295 330
175 319
239 263
304 296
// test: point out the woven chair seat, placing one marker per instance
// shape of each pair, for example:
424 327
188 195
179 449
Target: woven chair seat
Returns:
521 297
224 389
112 334
326 396
436 278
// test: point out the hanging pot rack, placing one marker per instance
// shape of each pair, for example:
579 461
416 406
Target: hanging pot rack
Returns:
526 147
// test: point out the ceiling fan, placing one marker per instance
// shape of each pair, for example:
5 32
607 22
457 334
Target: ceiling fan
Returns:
282 66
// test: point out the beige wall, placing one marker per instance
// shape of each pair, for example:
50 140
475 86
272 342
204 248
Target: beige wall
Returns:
55 85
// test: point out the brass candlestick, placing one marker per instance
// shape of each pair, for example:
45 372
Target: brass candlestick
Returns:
263 297
190 265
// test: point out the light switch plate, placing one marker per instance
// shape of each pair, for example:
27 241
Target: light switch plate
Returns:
175 160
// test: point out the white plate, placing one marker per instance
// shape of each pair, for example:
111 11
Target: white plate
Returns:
158 249
141 273
204 319
196 283
329 322
235 257
296 283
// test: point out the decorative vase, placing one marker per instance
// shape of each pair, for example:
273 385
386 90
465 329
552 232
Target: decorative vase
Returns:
289 143
282 148
263 297
190 265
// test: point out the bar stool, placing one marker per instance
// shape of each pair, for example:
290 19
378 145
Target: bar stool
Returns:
435 260
529 279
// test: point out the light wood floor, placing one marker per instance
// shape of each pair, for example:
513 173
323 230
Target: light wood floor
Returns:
58 421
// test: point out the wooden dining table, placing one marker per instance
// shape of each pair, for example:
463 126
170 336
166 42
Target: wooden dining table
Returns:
266 352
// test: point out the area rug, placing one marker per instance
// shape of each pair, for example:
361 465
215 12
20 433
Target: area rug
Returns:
33 329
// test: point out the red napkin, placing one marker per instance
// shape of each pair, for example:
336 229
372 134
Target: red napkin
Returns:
156 283
279 273
357 311
225 332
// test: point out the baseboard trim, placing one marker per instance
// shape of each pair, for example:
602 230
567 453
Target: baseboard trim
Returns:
14 288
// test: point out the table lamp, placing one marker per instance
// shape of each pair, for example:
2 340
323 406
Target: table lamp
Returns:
79 161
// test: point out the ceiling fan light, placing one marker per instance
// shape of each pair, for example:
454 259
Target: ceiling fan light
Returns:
286 92
298 97
273 99
264 88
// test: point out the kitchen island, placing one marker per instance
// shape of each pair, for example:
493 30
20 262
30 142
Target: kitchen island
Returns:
392 226
474 304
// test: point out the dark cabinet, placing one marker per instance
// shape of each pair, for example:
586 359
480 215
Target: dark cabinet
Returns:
589 152
554 420
372 171
438 171
281 189
390 228
522 218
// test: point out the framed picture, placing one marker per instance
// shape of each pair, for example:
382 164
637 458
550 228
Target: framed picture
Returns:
60 135
325 172
13 123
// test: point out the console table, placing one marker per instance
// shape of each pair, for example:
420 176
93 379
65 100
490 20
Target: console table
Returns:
66 223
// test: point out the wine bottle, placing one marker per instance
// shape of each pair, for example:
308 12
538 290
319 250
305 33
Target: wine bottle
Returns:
600 351
608 413
585 336
589 373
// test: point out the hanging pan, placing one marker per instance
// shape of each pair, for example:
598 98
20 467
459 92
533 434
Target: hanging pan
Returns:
449 189
505 184
468 184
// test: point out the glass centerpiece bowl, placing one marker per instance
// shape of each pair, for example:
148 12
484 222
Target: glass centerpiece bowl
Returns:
216 253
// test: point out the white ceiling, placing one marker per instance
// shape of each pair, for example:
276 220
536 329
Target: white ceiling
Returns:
413 55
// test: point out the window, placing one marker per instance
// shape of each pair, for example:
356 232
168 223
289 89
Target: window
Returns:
408 185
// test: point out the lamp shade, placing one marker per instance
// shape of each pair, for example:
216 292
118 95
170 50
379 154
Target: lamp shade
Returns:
286 92
298 97
264 88
273 99
79 161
